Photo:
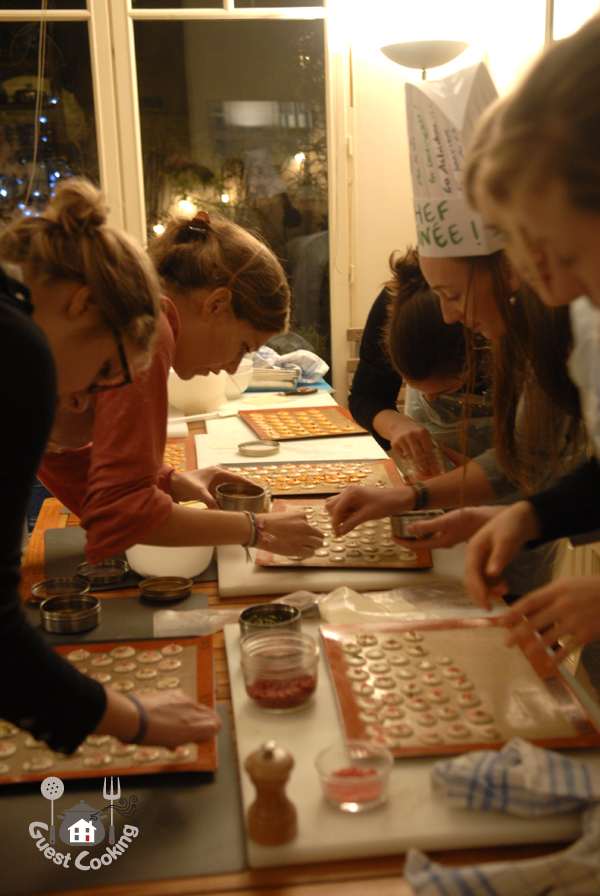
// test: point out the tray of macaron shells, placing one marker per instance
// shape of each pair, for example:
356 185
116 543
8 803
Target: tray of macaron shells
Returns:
135 667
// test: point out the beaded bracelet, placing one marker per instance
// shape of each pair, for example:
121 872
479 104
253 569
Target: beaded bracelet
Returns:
142 730
421 495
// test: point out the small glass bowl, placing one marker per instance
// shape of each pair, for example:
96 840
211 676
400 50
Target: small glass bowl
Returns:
267 618
355 774
74 586
280 669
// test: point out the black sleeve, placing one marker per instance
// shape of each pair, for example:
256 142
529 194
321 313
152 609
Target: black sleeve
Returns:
376 384
40 692
572 505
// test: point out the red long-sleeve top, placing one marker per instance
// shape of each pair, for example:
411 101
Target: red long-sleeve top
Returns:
118 484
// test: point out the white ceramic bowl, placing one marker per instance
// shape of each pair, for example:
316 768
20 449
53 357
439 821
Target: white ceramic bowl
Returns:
149 560
200 395
239 381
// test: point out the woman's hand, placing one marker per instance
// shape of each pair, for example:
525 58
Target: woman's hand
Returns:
568 609
493 546
173 718
448 529
201 484
413 443
288 533
359 503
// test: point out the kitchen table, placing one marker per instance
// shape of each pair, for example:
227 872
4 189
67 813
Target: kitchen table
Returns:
374 876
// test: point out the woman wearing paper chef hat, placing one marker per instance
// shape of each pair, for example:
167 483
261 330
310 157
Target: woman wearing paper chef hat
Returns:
534 172
536 409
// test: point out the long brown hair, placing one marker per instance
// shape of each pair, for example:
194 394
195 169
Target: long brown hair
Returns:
530 362
197 253
417 341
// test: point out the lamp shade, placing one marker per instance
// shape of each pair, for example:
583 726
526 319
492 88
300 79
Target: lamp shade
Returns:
424 54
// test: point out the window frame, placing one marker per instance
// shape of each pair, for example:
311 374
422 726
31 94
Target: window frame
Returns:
114 79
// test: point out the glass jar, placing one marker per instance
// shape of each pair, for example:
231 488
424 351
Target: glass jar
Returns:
280 669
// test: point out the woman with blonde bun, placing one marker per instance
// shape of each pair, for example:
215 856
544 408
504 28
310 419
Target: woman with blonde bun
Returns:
224 294
79 320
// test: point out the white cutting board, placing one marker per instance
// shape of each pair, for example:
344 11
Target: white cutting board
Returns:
411 817
237 577
221 447
223 435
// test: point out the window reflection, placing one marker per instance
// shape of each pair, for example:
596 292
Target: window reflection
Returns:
233 119
65 116
37 4
218 4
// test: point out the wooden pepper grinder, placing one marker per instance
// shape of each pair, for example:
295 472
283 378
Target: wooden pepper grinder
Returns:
271 817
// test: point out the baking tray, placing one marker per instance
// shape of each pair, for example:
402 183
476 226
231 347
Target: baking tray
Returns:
326 478
181 454
464 676
283 424
97 757
368 546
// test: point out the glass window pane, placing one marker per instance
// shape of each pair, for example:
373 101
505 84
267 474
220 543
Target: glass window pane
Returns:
37 4
245 4
177 4
233 119
67 129
218 4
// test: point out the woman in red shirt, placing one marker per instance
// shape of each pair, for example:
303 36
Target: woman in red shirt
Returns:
225 294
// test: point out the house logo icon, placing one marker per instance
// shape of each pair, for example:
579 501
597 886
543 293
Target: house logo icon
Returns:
82 832
81 824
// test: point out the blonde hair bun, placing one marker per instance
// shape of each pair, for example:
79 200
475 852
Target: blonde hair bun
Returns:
72 241
78 207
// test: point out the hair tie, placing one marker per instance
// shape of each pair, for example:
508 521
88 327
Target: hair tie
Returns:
195 229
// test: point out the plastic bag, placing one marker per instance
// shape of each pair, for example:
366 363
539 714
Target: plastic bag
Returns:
435 600
189 623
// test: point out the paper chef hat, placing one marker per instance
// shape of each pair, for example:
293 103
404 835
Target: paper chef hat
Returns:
441 116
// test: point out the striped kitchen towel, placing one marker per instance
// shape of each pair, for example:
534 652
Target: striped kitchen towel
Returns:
573 872
522 780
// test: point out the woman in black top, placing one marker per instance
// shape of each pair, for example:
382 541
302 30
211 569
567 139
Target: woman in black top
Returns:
406 339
